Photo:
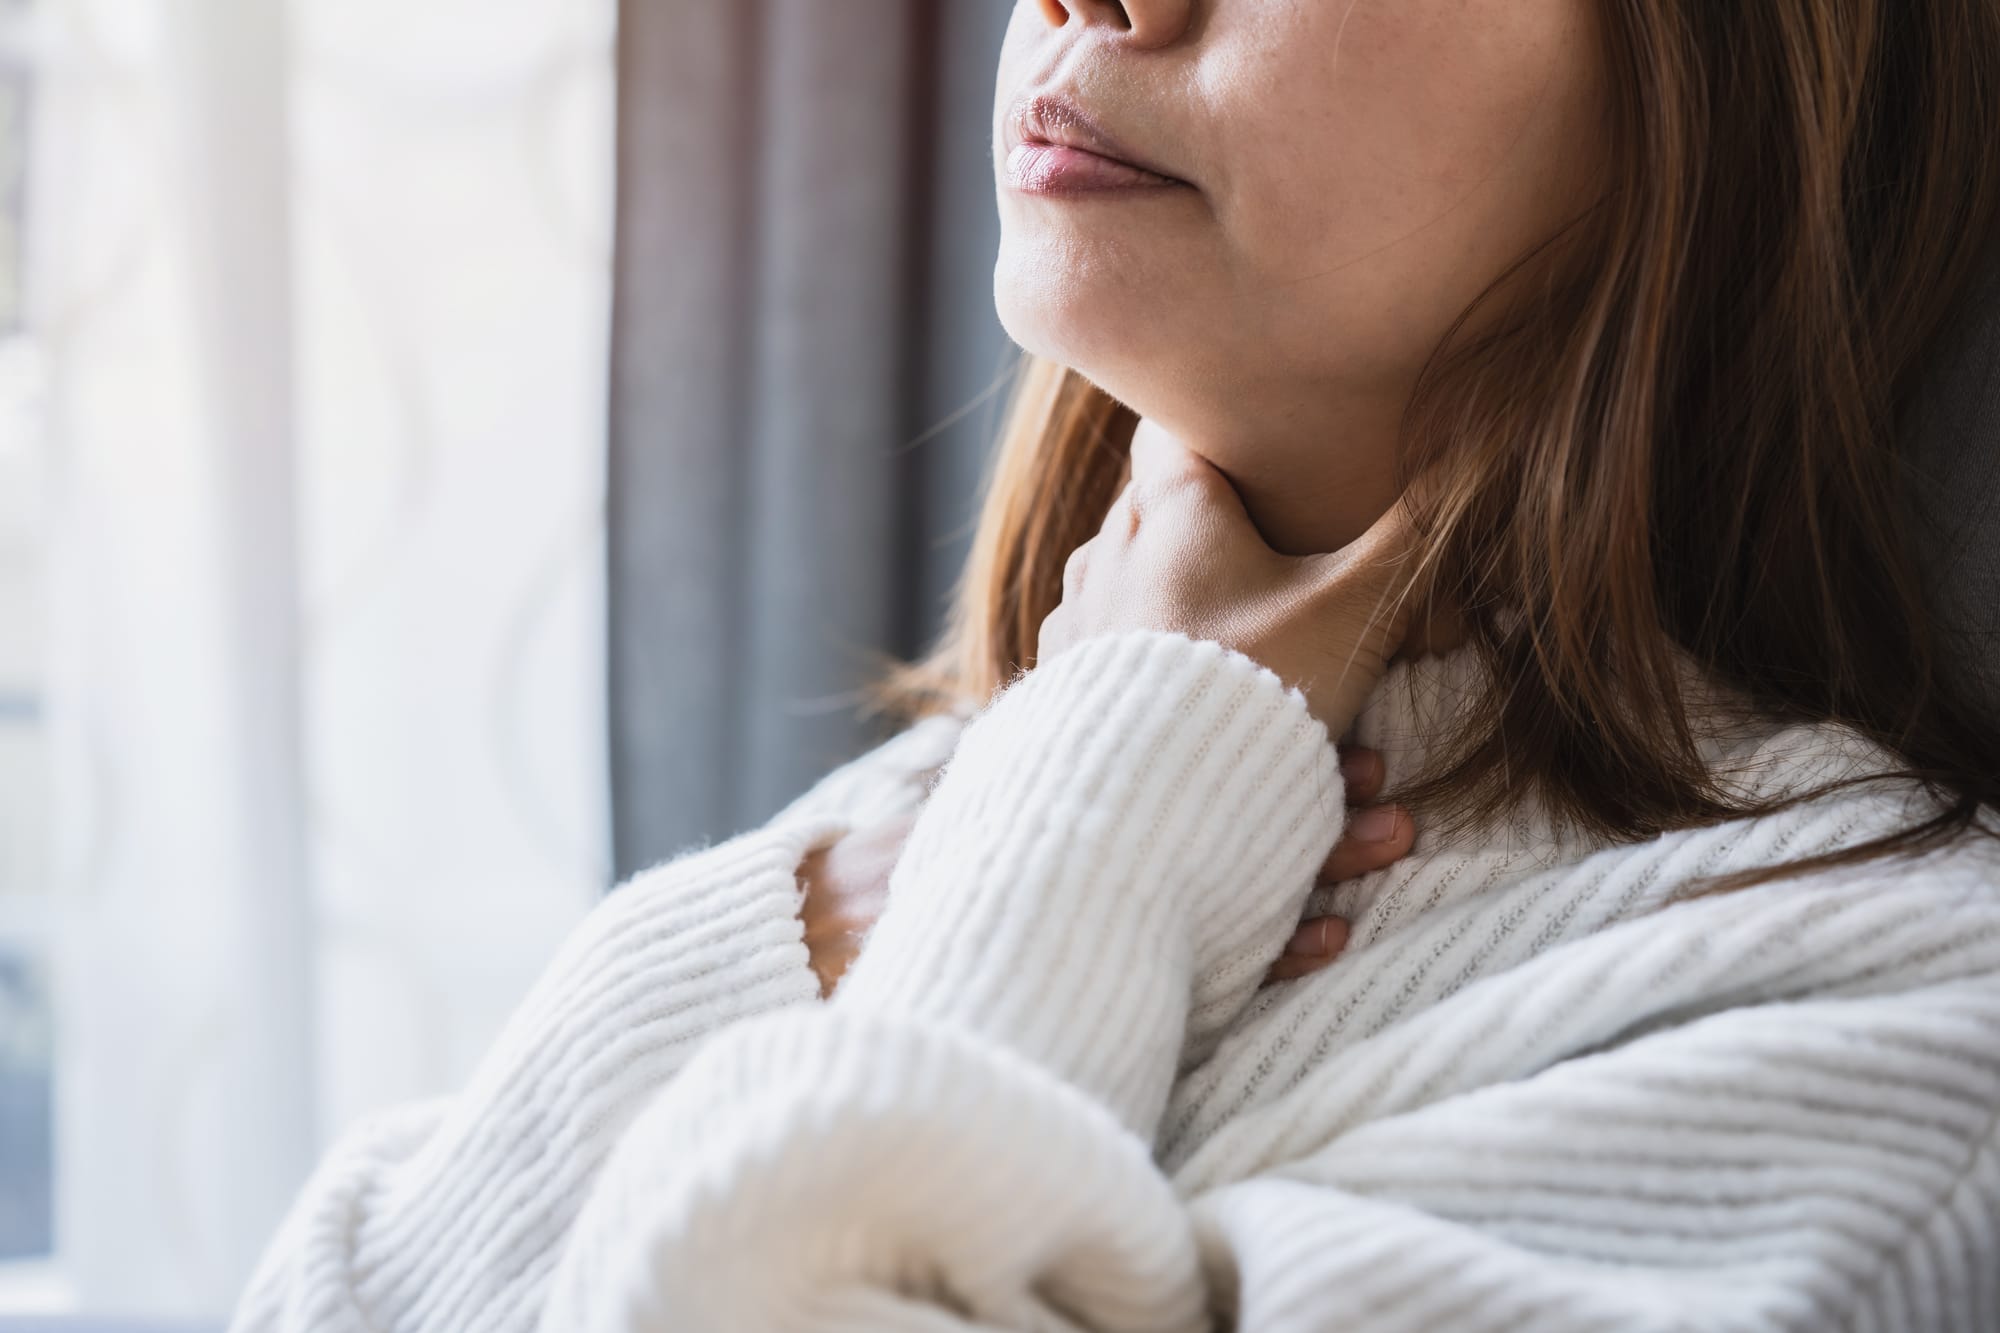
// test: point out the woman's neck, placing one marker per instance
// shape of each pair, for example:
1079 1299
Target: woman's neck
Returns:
1312 474
1308 496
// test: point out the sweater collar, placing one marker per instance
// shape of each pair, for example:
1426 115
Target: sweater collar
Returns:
1422 705
1417 706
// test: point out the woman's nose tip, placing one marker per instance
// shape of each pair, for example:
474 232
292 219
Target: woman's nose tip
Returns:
1145 22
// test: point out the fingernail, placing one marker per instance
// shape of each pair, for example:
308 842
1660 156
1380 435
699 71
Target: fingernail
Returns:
1315 939
1375 824
1360 766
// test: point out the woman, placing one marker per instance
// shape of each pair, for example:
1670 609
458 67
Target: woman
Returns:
1514 386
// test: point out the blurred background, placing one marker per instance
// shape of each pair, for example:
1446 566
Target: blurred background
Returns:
453 453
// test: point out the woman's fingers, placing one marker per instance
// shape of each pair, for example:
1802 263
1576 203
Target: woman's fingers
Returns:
846 886
1317 942
1361 770
1376 836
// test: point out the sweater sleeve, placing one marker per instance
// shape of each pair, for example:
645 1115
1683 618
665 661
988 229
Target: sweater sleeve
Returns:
962 1138
448 1213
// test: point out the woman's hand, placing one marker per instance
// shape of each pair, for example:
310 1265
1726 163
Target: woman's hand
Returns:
847 882
1376 836
1177 551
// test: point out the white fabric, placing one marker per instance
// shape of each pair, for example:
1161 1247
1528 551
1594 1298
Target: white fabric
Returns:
1544 1088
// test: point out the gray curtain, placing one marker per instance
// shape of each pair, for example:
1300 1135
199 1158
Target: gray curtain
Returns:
805 377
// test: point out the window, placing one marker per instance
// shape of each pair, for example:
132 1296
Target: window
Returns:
295 799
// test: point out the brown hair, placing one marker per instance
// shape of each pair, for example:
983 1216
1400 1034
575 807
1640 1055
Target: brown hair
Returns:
1683 438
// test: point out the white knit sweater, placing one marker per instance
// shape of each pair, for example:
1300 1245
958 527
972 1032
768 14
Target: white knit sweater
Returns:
1542 1089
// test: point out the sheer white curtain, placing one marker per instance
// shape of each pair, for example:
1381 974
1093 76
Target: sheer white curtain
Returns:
323 288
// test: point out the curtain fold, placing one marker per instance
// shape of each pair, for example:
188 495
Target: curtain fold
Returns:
804 362
830 308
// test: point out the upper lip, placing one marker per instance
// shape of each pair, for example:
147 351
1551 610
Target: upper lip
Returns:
1050 118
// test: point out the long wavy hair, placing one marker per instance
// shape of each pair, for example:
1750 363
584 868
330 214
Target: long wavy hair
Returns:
1687 436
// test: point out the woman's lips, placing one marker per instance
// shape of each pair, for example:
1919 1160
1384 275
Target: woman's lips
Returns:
1049 168
1057 149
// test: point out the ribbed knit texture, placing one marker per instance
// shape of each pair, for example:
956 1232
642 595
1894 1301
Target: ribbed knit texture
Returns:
1110 802
449 1213
1544 1088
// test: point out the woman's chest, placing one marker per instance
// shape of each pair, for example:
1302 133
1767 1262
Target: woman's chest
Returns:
1446 984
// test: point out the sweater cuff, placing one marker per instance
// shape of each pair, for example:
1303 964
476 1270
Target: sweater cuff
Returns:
1114 855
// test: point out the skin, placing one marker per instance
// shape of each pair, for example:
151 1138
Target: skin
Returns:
1348 176
1357 172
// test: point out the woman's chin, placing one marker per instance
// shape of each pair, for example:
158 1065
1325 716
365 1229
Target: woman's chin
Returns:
1119 353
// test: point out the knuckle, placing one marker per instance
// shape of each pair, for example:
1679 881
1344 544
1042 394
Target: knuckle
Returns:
1073 569
1123 516
1049 635
1178 489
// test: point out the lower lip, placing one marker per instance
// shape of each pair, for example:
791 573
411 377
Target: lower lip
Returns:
1046 168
